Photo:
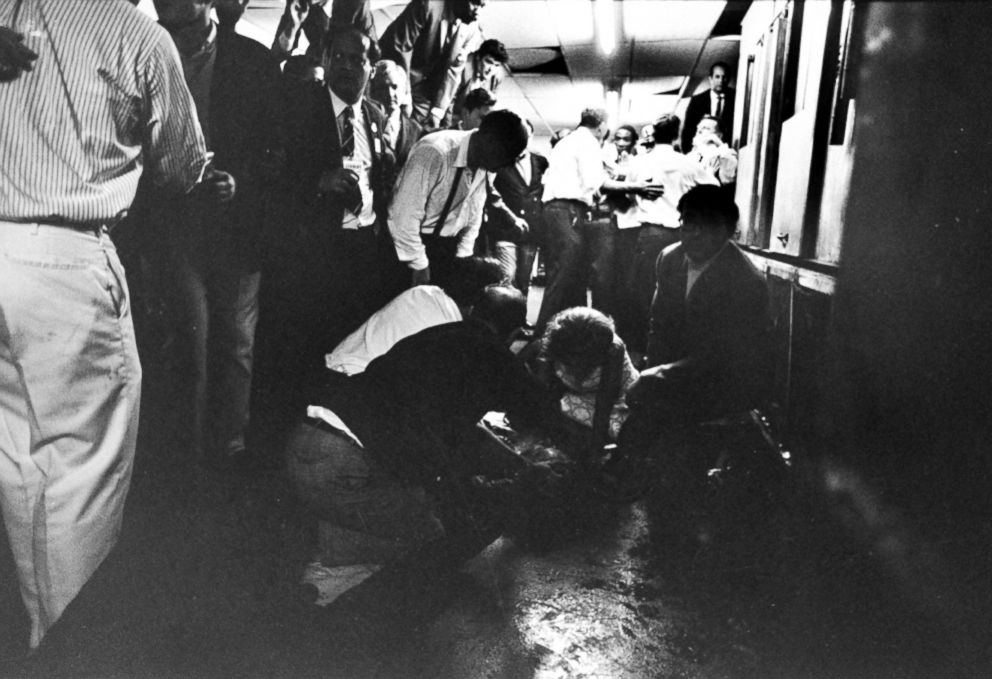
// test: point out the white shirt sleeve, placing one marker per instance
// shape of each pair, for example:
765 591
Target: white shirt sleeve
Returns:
419 178
411 311
592 172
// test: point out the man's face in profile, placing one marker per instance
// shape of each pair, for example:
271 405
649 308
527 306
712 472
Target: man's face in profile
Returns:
472 119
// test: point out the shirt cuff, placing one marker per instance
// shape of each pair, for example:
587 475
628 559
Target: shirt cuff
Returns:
419 263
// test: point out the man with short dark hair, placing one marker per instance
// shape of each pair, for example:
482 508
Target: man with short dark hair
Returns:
334 199
657 222
476 106
213 243
521 186
438 204
575 175
485 68
707 347
314 18
375 442
432 40
717 101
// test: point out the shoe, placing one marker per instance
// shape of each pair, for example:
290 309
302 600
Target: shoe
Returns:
333 581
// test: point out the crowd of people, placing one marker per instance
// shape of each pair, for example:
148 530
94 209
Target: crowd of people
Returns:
372 216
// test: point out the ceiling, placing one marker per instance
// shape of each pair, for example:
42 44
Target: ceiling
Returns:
662 54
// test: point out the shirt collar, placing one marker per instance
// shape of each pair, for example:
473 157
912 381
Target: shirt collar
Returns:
703 266
339 105
207 44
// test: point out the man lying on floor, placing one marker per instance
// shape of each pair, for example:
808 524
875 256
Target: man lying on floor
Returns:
387 464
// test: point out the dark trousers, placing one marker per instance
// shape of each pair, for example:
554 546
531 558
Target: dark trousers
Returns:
217 306
329 287
441 255
643 247
579 253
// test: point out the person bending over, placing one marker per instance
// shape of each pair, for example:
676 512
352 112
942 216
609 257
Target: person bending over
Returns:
386 459
585 365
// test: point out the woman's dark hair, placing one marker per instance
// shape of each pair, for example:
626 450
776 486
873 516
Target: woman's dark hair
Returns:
579 338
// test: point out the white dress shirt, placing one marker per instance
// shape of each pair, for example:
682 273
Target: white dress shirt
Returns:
360 162
411 311
575 168
422 190
676 172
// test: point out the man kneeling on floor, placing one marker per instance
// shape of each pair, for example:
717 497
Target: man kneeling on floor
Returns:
708 343
388 464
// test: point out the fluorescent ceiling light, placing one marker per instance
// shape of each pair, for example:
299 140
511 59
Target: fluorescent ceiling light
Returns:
606 26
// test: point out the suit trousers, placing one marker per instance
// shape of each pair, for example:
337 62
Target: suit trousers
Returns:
516 260
70 386
579 254
365 514
218 312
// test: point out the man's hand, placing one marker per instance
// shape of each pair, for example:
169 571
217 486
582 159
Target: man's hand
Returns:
521 226
219 185
647 386
15 58
420 276
342 185
339 182
648 190
297 11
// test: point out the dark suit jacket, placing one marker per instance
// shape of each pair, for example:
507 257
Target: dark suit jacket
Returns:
717 337
699 106
313 147
410 133
522 198
414 41
245 137
415 406
316 24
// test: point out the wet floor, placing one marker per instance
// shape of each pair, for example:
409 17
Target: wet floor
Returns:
205 583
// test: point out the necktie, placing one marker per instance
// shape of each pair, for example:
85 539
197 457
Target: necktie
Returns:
347 132
719 106
391 132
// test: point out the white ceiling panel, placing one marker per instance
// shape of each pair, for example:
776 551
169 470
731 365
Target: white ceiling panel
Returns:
585 61
572 20
669 19
669 57
528 23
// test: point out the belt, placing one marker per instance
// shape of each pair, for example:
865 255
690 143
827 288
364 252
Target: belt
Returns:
570 202
94 226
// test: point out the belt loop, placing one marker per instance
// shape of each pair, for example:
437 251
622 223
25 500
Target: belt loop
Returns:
35 228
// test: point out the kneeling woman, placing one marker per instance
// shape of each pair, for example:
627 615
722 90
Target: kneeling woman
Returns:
581 358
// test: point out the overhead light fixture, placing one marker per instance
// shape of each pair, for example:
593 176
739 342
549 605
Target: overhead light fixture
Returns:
606 26
612 108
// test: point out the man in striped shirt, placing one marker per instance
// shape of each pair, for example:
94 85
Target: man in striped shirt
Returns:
104 103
